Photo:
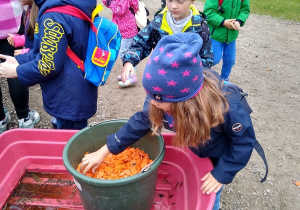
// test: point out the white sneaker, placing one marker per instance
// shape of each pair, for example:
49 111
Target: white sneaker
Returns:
4 122
29 122
131 81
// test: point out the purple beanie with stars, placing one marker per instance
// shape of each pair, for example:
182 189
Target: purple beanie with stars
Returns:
174 71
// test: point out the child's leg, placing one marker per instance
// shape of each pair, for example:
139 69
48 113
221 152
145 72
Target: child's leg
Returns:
228 59
68 124
218 199
125 44
218 51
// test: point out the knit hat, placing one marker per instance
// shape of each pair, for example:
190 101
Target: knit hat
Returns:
174 71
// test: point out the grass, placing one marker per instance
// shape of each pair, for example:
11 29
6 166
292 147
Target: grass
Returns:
288 9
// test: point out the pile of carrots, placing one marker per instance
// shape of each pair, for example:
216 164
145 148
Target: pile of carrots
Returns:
125 164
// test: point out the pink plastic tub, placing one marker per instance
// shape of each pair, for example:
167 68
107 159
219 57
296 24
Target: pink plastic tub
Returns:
33 174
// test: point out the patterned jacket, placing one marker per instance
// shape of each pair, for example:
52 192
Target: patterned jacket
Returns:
123 17
148 37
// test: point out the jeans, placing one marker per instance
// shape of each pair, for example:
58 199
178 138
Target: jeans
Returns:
125 44
68 124
227 51
218 199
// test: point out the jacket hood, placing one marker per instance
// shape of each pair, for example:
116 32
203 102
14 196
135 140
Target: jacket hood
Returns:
87 6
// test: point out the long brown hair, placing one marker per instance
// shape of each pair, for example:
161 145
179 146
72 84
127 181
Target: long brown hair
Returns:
194 117
33 13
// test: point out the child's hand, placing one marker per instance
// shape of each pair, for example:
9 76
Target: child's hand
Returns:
210 184
10 40
229 23
17 52
8 69
236 25
127 69
93 160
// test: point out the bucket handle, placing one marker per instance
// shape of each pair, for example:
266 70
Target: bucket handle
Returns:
147 167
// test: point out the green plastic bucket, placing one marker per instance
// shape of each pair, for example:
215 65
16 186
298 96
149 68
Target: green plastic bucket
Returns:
130 193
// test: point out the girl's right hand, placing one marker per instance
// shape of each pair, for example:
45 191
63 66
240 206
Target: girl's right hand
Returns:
10 39
94 159
127 69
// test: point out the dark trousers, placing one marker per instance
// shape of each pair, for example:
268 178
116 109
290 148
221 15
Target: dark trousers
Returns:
18 92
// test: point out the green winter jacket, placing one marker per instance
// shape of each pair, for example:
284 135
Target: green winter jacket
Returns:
234 9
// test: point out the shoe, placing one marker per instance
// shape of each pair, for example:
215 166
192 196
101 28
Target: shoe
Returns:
54 122
119 77
4 122
131 81
29 122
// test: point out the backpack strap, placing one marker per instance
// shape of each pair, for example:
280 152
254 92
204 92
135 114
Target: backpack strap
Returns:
261 153
75 59
74 11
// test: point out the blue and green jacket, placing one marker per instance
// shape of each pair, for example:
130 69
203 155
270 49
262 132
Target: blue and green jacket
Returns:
147 38
66 94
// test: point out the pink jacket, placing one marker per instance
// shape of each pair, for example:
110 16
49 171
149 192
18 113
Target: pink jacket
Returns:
123 17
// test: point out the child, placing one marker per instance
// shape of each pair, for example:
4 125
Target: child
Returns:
211 122
125 20
10 23
178 16
29 20
224 22
67 96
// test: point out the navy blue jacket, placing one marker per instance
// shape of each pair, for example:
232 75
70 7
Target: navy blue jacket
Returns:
66 94
229 149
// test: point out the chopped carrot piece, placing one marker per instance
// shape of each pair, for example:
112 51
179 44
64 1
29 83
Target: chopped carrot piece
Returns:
127 163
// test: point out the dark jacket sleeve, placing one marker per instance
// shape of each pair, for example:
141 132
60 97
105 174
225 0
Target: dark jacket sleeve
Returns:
52 52
141 46
136 127
241 143
206 51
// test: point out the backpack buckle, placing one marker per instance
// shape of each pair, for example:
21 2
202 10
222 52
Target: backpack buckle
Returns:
81 66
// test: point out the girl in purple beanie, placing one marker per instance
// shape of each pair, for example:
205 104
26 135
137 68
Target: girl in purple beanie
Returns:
194 104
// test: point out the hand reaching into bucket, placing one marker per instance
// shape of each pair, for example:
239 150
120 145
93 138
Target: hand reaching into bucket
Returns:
94 159
210 184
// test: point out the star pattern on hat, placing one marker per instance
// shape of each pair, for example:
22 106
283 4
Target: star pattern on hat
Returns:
149 62
161 48
162 71
200 63
156 58
186 73
172 83
148 76
169 55
170 96
158 89
185 90
158 97
194 60
175 64
188 55
196 78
